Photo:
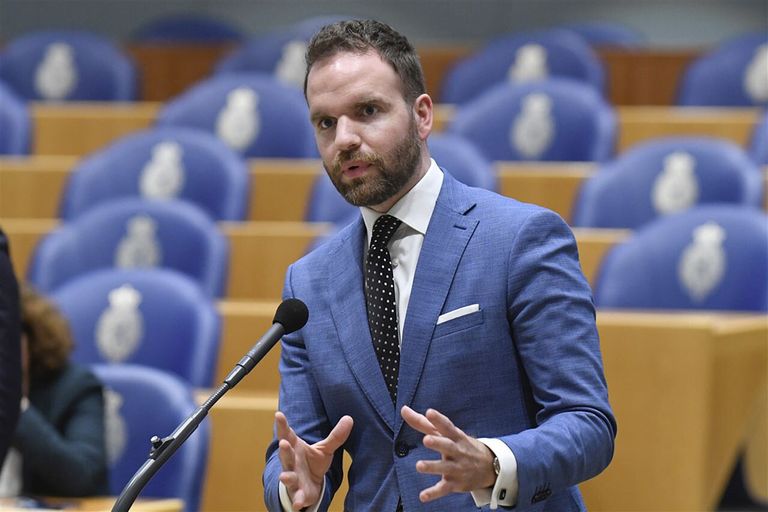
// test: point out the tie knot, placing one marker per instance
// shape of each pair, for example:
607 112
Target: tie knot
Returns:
383 229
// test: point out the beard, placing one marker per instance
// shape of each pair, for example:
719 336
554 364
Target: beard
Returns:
394 171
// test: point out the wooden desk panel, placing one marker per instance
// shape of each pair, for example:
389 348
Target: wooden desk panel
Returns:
260 253
281 188
553 185
645 76
81 128
681 385
168 69
31 187
638 124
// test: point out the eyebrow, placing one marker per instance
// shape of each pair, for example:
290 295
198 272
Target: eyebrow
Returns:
368 100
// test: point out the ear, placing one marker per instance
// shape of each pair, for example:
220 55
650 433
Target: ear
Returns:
422 114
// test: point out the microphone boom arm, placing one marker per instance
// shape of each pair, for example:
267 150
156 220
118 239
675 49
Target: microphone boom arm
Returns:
292 313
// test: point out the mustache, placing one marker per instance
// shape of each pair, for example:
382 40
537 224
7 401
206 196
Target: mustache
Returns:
347 156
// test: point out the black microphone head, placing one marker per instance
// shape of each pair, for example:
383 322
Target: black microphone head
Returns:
292 314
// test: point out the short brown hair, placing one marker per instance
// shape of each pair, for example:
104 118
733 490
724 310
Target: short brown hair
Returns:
49 338
362 36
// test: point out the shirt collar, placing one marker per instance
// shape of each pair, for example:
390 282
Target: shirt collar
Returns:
414 208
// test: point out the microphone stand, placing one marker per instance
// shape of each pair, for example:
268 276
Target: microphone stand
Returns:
162 449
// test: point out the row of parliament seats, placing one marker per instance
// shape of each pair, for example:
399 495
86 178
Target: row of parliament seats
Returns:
81 128
635 74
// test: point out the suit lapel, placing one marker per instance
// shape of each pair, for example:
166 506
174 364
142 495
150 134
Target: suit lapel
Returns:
446 238
347 304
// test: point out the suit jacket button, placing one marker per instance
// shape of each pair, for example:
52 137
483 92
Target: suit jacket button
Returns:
402 449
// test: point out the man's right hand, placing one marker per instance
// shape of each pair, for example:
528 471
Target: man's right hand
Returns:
305 465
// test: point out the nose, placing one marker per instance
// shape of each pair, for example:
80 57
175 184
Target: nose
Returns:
347 135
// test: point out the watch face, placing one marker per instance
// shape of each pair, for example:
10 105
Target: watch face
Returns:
496 465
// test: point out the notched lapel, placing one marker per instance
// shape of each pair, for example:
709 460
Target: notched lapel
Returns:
347 304
447 237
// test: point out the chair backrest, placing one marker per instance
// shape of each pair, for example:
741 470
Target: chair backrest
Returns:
709 257
279 53
68 66
665 176
134 233
463 160
252 113
549 120
186 28
143 402
162 163
15 125
734 74
758 146
606 34
157 318
521 58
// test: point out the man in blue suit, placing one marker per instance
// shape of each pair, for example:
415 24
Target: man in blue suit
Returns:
488 390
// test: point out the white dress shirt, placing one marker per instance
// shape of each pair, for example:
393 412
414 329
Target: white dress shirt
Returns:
415 209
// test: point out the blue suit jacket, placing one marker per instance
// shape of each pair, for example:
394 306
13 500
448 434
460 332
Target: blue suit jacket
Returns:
526 368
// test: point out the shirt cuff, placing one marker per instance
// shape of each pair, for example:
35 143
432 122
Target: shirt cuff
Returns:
285 500
504 491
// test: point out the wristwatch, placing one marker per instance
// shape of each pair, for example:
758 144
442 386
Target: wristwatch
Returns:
496 466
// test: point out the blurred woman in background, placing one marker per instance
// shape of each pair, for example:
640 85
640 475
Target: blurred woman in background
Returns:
59 443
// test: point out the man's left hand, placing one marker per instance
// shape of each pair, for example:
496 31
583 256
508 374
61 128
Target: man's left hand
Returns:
465 465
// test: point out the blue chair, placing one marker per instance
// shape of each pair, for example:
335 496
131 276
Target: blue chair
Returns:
134 233
605 34
463 160
68 66
280 52
162 163
187 28
734 74
666 176
523 57
712 257
549 120
758 146
15 124
252 113
152 317
143 402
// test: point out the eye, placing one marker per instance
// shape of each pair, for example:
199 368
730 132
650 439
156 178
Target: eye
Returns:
369 110
325 123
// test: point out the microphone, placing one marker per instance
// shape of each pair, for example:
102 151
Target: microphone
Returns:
291 315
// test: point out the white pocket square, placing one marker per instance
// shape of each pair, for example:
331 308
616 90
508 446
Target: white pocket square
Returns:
456 313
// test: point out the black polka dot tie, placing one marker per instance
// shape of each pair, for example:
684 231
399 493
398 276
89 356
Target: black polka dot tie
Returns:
380 298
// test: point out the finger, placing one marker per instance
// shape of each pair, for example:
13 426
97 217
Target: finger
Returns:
440 489
432 467
417 421
284 431
337 437
444 425
444 445
298 500
287 455
290 480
